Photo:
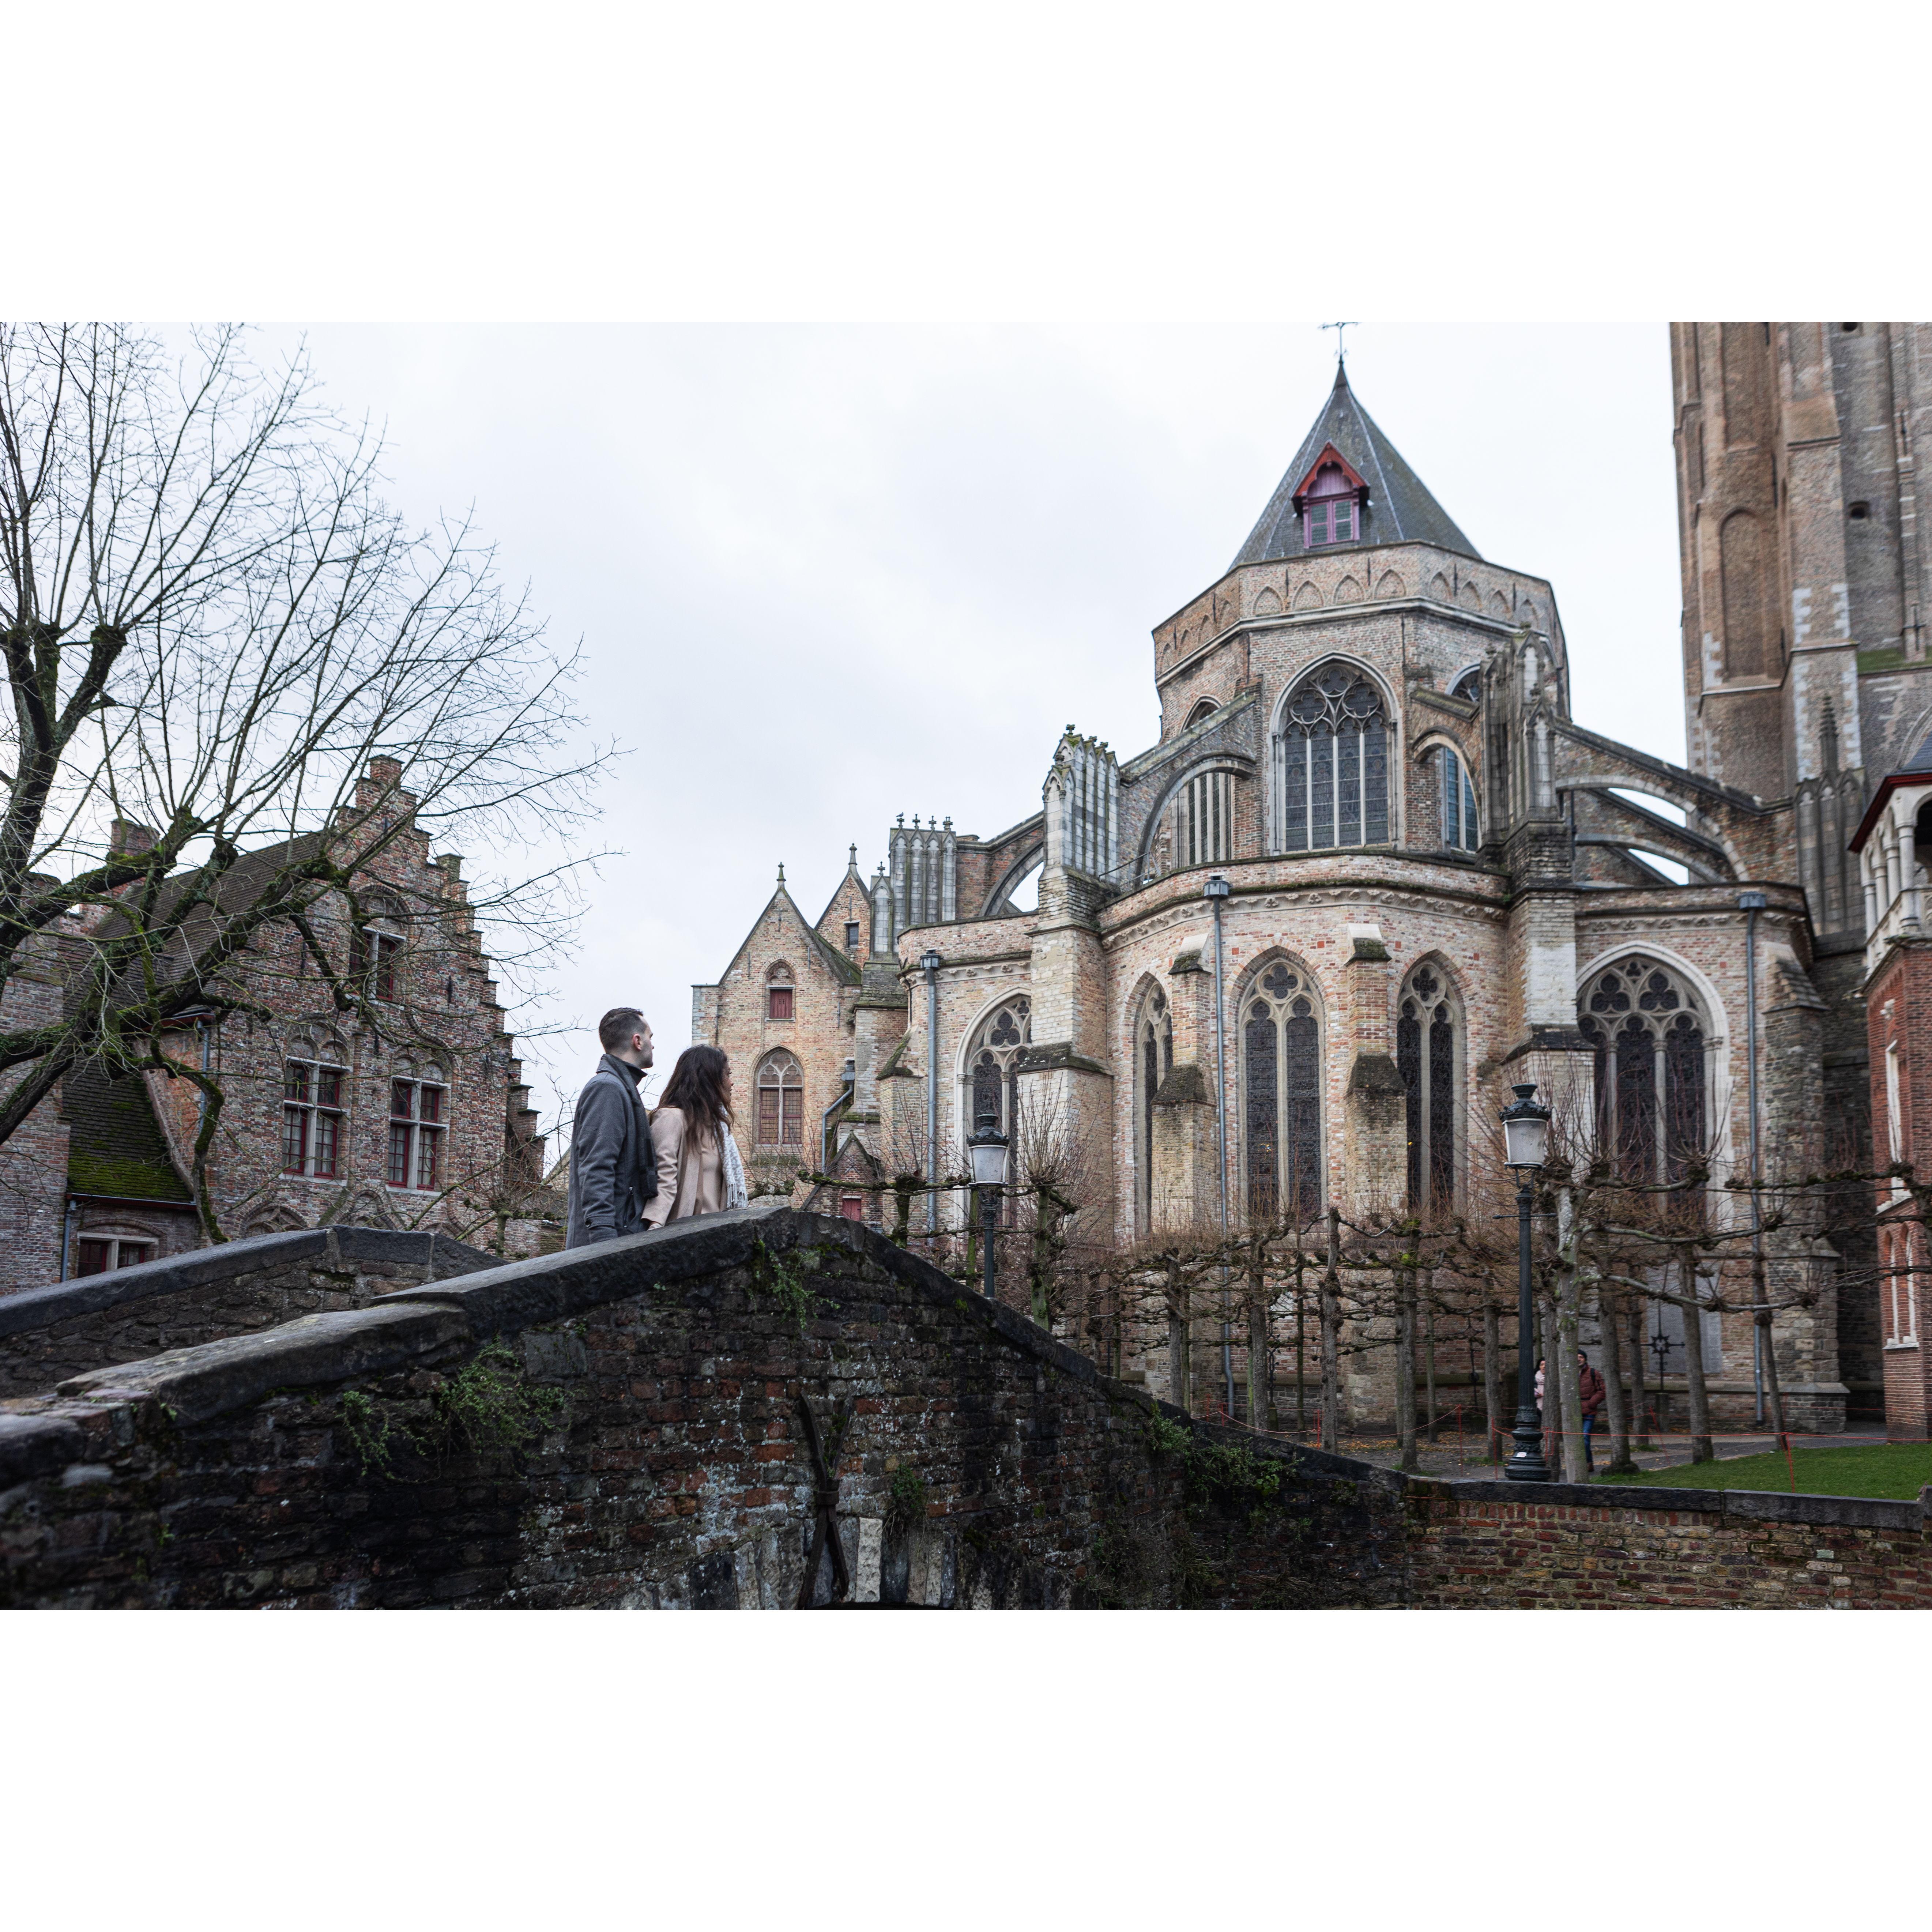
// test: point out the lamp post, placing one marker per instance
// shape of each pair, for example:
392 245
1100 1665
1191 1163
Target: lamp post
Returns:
986 1147
1214 892
1525 1143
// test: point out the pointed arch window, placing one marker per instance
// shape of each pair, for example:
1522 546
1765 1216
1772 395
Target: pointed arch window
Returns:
1651 1067
1202 819
1281 1061
781 1101
1331 764
1153 1061
1427 1058
778 992
992 1064
1459 802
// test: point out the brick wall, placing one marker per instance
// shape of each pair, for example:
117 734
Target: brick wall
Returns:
1475 1545
48 1334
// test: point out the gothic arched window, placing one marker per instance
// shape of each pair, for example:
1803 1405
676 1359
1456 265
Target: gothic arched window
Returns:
1153 1061
1652 1113
781 1101
779 987
1200 821
1426 1057
1458 793
1331 764
992 1064
1281 1060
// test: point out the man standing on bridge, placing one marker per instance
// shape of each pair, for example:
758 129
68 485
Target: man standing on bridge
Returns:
612 1174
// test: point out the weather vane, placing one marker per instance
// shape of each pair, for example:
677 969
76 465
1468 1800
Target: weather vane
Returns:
1341 338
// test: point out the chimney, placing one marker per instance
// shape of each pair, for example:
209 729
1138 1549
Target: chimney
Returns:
125 838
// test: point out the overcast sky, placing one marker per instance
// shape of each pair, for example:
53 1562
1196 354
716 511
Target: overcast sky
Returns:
827 573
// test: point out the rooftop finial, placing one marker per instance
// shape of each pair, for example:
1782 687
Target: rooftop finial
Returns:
781 873
1341 329
852 856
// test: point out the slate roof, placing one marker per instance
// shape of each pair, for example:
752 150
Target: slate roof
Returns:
1920 760
115 1146
1400 509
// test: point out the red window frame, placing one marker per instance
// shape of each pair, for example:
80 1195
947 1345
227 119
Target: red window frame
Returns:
417 1125
311 1119
777 1003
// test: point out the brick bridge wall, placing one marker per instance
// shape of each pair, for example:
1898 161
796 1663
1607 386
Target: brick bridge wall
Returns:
48 1335
622 1426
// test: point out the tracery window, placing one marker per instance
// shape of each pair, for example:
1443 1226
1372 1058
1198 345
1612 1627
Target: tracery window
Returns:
1426 1057
418 1118
1281 1056
992 1064
1458 803
1203 814
1651 1048
312 1116
781 1101
1331 763
1153 1061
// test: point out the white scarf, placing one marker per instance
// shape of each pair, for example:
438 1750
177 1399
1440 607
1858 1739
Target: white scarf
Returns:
736 1194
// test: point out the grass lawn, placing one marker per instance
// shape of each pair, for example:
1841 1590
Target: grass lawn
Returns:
1896 1469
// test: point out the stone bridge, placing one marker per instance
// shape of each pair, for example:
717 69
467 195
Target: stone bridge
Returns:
765 1409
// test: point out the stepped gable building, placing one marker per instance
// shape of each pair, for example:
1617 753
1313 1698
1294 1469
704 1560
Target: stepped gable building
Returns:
1438 884
421 1119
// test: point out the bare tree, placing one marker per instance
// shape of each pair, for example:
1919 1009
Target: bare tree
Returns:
215 631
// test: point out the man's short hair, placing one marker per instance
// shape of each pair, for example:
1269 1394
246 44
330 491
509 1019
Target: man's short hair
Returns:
615 1029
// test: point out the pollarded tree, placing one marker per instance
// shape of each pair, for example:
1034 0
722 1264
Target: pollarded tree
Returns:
212 624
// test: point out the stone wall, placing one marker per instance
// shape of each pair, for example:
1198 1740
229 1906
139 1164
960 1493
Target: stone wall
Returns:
48 1335
623 1425
632 1425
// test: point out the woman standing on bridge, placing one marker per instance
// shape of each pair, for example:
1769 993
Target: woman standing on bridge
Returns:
699 1169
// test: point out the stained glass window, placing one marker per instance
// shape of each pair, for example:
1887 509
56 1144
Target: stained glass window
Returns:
1331 761
1426 1057
1652 1114
1282 1097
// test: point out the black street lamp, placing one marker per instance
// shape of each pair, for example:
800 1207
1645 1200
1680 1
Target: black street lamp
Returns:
1525 1143
987 1147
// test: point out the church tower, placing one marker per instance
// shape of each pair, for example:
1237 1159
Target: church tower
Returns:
1805 577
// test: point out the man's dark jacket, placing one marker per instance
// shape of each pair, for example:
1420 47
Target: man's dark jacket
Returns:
612 1172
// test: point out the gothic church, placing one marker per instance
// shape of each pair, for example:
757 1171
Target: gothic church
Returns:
1439 881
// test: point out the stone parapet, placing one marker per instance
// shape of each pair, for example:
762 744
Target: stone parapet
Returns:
49 1334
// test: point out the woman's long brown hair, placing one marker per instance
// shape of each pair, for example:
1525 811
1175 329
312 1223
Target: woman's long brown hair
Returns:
696 1088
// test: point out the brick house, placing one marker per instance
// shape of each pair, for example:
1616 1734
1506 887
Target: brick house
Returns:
1897 826
1441 883
414 1116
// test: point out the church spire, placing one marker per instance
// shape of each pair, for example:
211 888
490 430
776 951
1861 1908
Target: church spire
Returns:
1396 506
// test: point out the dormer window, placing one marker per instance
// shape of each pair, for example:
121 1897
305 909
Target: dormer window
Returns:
1331 500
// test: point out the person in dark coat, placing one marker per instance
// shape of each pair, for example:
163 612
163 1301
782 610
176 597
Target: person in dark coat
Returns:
612 1174
1590 1386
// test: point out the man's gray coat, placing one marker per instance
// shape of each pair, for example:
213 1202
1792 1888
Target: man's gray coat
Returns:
612 1174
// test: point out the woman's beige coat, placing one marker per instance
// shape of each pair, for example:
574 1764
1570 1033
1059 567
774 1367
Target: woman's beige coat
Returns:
690 1172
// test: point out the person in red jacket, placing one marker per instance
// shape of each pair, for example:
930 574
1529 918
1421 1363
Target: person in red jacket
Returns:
1591 1385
